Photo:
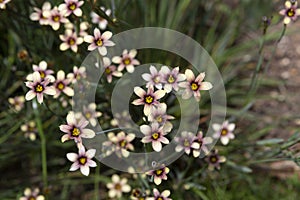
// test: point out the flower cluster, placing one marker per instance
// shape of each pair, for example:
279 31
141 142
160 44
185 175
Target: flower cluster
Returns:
74 35
41 82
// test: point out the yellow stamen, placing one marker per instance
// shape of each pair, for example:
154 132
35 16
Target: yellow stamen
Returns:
82 160
72 6
155 136
60 86
126 61
75 132
39 88
158 172
194 86
149 99
99 42
224 131
171 79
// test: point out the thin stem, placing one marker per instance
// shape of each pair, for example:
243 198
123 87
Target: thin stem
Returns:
96 182
43 143
274 50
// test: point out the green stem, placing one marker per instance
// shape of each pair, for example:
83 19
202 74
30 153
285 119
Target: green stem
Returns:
43 143
96 182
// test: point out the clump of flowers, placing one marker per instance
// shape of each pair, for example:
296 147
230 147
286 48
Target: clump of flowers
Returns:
38 88
119 144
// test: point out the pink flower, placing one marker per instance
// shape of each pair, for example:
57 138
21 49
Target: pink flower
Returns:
214 160
291 12
155 135
194 85
159 174
82 160
55 17
99 41
203 141
120 144
78 74
224 132
171 78
148 99
38 88
159 115
154 79
83 26
38 15
75 129
186 142
61 85
160 196
70 40
96 19
110 70
91 114
44 72
126 60
71 6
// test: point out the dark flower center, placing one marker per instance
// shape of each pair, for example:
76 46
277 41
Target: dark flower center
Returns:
31 197
155 136
72 6
224 132
159 198
122 143
126 61
60 86
171 79
107 70
118 186
82 160
99 42
213 159
56 18
39 88
149 99
186 143
71 41
290 12
75 132
159 119
158 172
194 86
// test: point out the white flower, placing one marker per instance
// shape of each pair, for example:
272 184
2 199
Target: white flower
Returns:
39 15
38 88
99 41
194 85
224 132
96 19
70 40
82 160
117 187
71 6
127 60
